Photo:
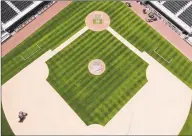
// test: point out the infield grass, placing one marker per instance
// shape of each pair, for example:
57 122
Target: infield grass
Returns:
96 99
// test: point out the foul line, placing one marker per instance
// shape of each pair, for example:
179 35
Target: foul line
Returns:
155 51
70 40
126 43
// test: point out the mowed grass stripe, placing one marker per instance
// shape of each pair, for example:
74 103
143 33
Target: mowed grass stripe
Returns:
108 87
47 44
80 56
111 105
112 6
83 56
104 59
95 52
85 92
147 40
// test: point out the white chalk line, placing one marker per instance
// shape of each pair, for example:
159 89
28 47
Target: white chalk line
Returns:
39 48
168 61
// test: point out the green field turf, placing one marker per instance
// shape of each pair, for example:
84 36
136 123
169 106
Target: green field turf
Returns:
187 129
96 99
5 128
123 20
30 52
146 39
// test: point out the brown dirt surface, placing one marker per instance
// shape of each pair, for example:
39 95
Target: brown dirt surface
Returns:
20 36
165 31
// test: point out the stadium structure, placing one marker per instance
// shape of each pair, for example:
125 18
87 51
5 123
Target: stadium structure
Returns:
17 14
177 14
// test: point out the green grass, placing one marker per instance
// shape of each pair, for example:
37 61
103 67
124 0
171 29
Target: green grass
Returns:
145 38
96 99
123 20
5 128
30 52
187 128
167 57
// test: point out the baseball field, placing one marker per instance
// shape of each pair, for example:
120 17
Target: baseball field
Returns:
123 67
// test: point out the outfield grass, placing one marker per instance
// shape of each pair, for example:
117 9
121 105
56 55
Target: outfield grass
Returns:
146 39
187 128
96 99
123 20
5 128
30 52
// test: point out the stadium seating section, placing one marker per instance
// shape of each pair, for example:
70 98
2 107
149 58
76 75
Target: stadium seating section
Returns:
7 13
186 16
21 5
175 6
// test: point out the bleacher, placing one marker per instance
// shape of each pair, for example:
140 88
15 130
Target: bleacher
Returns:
17 14
179 13
21 5
4 35
174 6
7 13
186 16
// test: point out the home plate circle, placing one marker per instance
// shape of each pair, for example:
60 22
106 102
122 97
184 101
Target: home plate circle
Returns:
96 67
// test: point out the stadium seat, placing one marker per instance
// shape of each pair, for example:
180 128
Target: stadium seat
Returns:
174 6
21 5
7 13
186 16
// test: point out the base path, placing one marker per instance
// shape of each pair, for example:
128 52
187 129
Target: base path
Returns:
70 40
20 36
160 107
165 31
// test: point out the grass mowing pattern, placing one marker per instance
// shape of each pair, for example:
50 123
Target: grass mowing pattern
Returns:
145 38
96 99
123 20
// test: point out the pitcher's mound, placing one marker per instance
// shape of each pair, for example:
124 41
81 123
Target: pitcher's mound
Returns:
96 67
97 21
